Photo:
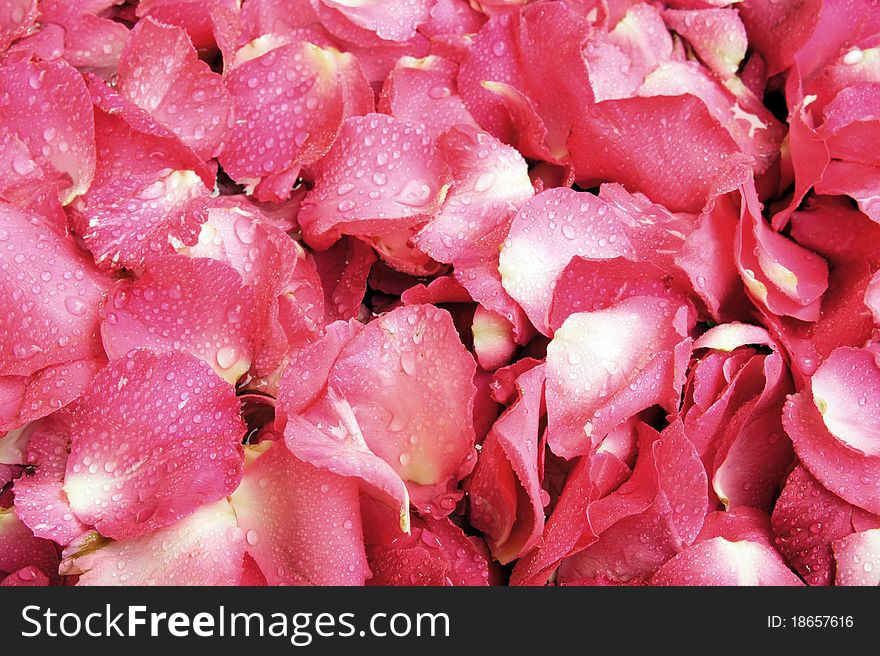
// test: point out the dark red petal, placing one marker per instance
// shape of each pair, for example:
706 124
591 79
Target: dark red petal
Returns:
806 520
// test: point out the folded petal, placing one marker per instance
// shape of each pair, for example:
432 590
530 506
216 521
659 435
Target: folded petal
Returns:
290 97
490 183
160 72
195 16
17 18
605 366
40 501
48 110
409 382
664 502
425 90
516 433
343 269
545 234
155 438
717 35
779 274
147 181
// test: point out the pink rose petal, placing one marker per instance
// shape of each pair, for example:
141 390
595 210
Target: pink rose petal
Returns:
301 524
156 437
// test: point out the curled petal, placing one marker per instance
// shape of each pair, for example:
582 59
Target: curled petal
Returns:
161 73
409 382
834 429
59 138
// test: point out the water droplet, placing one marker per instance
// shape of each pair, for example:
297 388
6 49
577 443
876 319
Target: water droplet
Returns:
75 306
252 537
227 356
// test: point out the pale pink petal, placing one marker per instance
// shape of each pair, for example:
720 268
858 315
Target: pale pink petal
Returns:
719 562
858 559
717 35
490 183
146 186
545 234
397 23
494 339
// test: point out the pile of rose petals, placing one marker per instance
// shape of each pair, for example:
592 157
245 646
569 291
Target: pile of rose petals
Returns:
440 292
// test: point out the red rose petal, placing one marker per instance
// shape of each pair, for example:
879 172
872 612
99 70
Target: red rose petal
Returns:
382 176
806 520
50 291
59 137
